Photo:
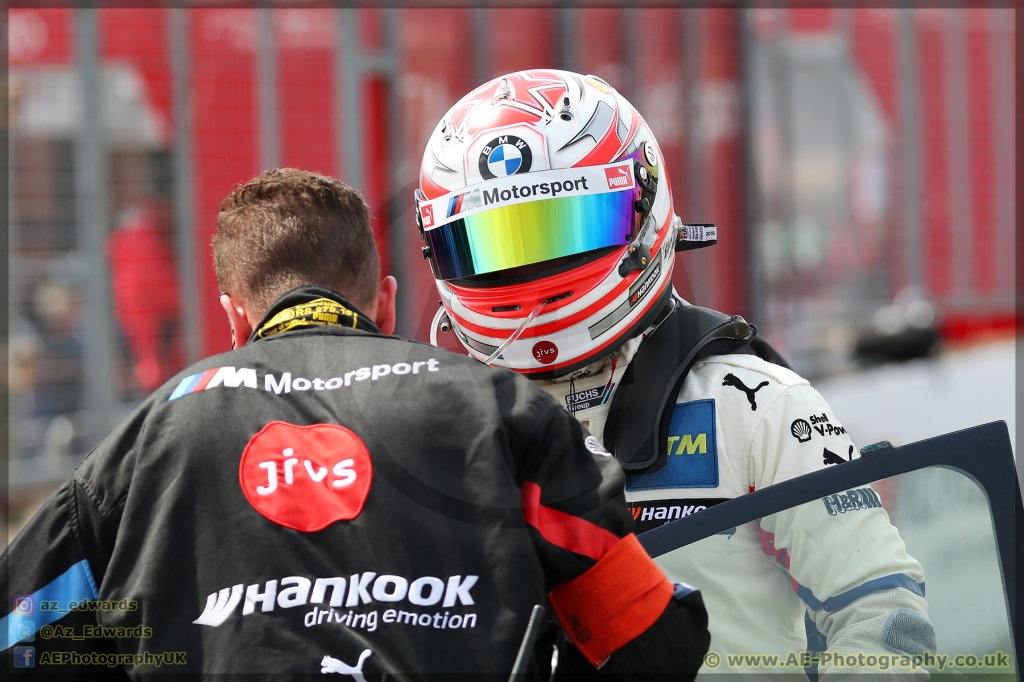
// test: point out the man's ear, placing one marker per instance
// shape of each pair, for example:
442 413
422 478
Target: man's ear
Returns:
384 316
238 317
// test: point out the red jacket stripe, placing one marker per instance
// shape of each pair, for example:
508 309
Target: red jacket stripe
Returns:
565 530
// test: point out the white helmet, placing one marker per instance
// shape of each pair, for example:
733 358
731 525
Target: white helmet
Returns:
547 216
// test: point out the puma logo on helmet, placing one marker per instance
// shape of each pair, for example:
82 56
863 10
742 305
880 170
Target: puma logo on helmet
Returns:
732 380
333 665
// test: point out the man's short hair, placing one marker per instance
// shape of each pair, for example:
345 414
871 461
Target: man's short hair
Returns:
288 227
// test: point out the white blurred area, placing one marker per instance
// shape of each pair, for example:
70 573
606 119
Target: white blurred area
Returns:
907 402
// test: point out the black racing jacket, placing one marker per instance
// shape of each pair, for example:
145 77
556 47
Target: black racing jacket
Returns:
325 499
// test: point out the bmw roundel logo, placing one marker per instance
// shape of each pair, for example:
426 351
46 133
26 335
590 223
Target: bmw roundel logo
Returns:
505 155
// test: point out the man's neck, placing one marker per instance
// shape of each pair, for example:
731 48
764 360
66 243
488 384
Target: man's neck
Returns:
311 306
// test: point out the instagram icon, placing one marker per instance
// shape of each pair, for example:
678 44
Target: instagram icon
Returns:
23 605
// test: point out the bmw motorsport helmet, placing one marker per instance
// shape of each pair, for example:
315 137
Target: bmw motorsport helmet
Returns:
547 217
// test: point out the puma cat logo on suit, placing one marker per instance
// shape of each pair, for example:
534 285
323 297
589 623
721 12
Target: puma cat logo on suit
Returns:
732 380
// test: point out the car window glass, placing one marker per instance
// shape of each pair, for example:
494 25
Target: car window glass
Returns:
897 576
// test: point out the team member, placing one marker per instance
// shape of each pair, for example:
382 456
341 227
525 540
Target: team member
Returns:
331 499
547 218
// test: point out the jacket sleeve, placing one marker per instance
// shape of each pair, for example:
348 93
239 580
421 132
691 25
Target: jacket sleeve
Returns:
613 603
845 560
572 493
50 574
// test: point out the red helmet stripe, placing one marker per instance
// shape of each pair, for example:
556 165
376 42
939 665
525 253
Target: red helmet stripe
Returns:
565 322
527 295
605 149
550 327
602 347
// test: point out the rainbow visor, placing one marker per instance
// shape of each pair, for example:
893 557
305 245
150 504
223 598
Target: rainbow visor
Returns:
530 218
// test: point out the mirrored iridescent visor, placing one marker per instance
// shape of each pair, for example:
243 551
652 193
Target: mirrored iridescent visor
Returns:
533 232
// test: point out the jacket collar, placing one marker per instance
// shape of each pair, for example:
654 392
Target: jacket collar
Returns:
311 306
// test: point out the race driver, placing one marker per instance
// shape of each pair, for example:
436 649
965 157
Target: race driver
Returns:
331 499
546 215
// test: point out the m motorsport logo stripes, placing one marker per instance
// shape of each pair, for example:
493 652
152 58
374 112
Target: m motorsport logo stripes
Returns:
215 376
463 202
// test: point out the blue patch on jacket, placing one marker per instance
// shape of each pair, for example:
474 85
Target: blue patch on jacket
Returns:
692 451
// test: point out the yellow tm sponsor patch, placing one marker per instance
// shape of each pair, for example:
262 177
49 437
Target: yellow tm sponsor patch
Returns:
689 444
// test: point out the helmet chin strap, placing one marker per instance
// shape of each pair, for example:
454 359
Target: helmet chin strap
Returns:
516 334
441 312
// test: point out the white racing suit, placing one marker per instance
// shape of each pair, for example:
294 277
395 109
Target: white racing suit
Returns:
740 424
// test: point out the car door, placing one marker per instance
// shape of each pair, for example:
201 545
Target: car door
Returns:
908 557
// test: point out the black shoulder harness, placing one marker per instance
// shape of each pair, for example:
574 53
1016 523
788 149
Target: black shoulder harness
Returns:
649 387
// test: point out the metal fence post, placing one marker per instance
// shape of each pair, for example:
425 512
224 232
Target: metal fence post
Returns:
7 247
698 268
352 66
1002 67
191 319
633 86
481 45
349 98
397 196
566 37
266 82
959 150
756 288
909 123
93 219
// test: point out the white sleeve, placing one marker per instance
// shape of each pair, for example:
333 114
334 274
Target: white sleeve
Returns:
846 561
797 435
